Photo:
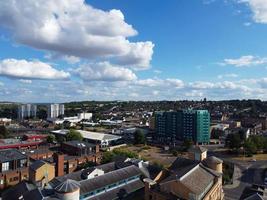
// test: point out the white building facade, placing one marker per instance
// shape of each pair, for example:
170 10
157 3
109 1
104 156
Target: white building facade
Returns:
55 110
27 111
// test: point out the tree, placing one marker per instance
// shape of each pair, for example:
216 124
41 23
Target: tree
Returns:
107 157
250 147
187 144
74 135
233 141
3 132
139 137
50 138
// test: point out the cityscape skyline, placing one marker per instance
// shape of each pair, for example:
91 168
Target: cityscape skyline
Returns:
104 50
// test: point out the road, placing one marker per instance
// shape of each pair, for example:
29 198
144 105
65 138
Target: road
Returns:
246 173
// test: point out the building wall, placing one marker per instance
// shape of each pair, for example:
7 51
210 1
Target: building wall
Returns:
185 124
47 171
175 187
216 192
13 177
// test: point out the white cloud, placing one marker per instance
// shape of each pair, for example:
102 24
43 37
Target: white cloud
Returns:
244 61
25 81
74 28
71 59
259 10
221 76
201 85
169 82
24 69
194 93
177 83
104 71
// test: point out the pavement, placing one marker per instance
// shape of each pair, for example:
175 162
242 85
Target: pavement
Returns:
245 174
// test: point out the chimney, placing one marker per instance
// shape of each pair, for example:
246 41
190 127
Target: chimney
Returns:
59 161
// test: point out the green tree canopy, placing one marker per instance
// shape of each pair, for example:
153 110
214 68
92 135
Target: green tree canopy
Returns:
139 137
3 132
73 135
50 138
233 141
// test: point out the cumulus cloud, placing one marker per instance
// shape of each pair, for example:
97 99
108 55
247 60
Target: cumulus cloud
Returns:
259 10
244 61
25 81
24 69
104 71
221 76
74 28
169 82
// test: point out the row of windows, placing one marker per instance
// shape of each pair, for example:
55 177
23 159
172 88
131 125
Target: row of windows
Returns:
100 190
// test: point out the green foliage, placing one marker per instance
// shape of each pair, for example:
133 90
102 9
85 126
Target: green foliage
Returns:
124 152
233 141
107 157
3 132
73 135
139 137
228 171
187 144
87 165
50 138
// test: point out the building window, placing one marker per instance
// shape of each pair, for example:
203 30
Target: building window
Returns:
23 163
5 166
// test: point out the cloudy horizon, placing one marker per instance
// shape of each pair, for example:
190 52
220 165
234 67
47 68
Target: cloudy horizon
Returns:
74 50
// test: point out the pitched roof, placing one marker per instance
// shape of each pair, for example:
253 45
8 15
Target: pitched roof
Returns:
11 154
17 191
178 168
33 194
77 176
67 186
212 159
120 191
187 172
204 180
109 178
37 164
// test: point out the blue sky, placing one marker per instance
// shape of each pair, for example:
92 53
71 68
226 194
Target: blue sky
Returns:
132 50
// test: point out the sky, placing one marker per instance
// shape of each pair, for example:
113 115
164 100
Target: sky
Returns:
74 50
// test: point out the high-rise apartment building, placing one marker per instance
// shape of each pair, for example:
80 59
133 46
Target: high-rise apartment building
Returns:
183 124
55 110
27 111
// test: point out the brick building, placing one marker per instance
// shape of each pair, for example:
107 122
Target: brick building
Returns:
196 178
13 166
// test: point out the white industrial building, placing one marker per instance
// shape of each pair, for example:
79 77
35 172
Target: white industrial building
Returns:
86 116
103 139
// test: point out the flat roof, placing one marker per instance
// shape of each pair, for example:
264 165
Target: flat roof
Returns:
91 135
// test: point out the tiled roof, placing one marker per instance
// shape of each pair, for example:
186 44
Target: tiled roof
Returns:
198 180
192 174
11 154
121 191
109 178
77 175
37 164
17 191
